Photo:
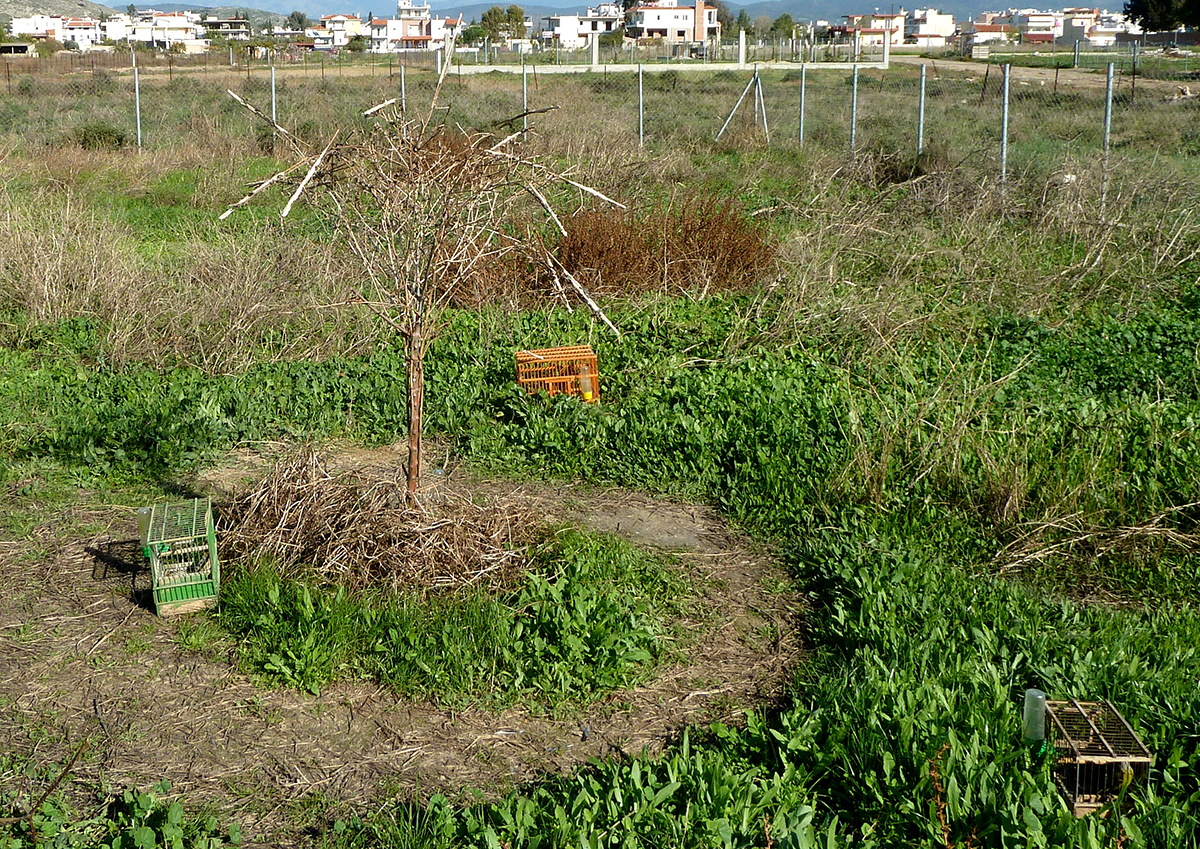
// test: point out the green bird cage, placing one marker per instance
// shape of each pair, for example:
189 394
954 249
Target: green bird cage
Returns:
180 541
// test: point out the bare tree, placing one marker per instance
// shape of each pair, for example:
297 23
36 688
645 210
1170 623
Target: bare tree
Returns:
424 207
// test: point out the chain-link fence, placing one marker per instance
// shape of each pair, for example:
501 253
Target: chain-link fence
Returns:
999 125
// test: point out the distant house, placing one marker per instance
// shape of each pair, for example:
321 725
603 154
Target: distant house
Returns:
441 29
987 33
928 28
574 31
342 28
667 21
169 31
321 38
233 29
84 32
395 35
874 29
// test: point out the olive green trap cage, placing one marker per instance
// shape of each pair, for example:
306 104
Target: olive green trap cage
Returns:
181 544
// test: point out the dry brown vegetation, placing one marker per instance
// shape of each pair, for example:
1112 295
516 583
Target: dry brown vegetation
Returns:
354 530
695 242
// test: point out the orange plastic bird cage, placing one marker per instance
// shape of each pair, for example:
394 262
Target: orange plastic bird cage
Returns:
571 370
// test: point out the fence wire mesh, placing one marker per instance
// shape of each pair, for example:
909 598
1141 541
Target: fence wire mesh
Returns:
953 115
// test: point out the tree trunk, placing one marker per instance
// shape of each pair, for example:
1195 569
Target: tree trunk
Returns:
416 406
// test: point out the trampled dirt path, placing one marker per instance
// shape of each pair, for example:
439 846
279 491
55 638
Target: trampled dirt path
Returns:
80 660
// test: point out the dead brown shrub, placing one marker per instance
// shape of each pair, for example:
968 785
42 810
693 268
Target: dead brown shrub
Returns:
354 530
697 242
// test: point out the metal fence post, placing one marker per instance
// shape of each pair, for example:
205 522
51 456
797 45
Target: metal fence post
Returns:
1004 134
1075 59
641 110
274 115
403 104
854 109
137 106
1108 100
524 100
921 116
1133 78
755 83
803 92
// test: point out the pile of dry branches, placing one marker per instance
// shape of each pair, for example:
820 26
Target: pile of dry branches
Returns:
355 531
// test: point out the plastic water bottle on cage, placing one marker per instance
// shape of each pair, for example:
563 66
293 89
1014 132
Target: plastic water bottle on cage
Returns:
587 387
1033 724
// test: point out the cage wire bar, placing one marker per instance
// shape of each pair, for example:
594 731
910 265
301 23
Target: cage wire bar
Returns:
1098 755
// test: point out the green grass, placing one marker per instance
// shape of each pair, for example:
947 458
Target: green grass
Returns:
593 615
131 817
971 424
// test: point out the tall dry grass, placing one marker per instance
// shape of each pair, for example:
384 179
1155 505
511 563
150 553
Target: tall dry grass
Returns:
218 301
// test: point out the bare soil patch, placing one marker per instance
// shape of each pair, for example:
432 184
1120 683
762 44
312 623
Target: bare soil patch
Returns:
82 655
1071 79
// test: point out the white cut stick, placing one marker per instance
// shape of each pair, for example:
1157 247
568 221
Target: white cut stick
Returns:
557 176
295 142
546 206
504 141
313 170
264 184
583 293
375 109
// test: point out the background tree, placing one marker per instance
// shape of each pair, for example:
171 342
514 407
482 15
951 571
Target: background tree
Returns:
616 38
743 22
762 25
473 34
515 18
357 44
425 207
494 21
297 20
1164 15
783 25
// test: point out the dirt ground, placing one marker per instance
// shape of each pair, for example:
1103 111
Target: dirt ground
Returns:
82 657
1068 79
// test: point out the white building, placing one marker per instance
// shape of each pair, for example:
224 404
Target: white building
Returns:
166 31
874 30
86 33
342 28
443 29
117 28
574 31
413 28
672 23
928 28
1031 26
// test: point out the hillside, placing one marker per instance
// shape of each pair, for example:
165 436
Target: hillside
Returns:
25 8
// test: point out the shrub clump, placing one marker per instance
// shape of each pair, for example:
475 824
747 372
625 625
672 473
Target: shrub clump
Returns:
98 135
699 242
